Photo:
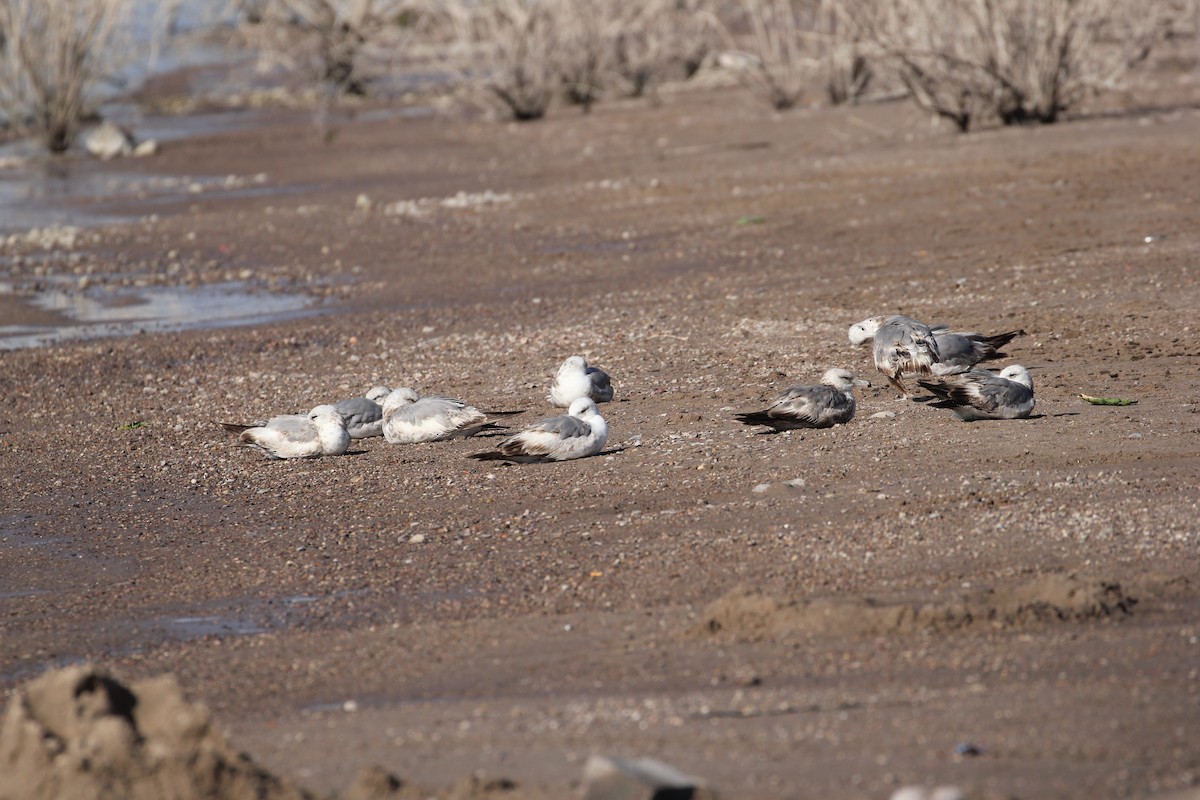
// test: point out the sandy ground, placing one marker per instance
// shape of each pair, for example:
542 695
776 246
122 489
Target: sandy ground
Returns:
409 607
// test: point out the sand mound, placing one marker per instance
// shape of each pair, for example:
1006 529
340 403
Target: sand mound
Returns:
749 614
80 734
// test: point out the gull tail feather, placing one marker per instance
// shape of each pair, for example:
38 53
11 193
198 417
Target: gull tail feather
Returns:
474 430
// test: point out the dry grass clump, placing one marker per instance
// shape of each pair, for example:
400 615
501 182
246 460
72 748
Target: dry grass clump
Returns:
53 55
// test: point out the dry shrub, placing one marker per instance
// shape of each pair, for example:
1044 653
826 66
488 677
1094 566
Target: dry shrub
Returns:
796 46
525 53
659 40
326 41
1014 61
510 50
53 56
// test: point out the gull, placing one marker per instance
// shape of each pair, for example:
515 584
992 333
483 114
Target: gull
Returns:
960 350
902 345
957 350
978 394
364 415
831 403
580 433
576 379
320 432
409 418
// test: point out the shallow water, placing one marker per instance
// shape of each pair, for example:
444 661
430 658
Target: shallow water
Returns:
58 315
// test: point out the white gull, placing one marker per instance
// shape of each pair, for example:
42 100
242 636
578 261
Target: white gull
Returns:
320 432
409 418
576 379
580 433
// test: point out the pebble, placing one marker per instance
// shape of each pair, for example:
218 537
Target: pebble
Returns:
612 778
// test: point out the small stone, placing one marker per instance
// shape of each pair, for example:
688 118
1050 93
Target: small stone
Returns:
108 140
761 488
373 783
883 415
416 538
611 778
363 202
149 147
928 793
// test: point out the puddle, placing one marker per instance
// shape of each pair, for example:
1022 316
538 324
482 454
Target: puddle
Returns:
187 628
57 315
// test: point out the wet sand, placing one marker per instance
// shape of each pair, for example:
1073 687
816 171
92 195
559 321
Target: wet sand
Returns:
408 607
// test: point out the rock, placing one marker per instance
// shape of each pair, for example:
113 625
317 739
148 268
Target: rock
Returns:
149 147
373 783
78 733
883 415
108 140
610 778
928 793
780 489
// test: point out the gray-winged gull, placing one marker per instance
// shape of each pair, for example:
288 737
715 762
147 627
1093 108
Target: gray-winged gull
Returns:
364 415
576 379
962 350
902 346
320 432
409 418
957 350
979 394
831 403
581 432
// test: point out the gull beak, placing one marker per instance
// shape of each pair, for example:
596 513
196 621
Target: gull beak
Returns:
861 382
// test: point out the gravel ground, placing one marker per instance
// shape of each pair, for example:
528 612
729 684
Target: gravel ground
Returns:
408 607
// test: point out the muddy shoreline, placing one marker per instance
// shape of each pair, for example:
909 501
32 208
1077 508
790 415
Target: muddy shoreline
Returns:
412 608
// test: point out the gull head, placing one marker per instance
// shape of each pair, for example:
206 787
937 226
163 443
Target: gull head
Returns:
574 364
327 415
1017 374
377 393
398 398
862 332
583 407
842 379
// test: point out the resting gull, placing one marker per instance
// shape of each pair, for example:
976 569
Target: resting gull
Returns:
580 433
831 403
320 432
364 415
576 379
978 394
409 418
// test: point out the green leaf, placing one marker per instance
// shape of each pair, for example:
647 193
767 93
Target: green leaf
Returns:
1107 401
